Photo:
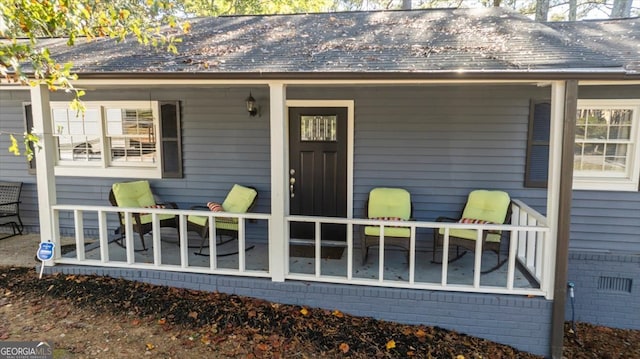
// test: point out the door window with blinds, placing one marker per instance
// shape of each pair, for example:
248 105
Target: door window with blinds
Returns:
318 128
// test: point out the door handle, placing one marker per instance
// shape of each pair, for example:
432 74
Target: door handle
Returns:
292 182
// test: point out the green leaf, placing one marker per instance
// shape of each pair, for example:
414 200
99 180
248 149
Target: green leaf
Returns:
14 145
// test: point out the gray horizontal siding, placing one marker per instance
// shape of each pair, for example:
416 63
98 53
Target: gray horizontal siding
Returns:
439 142
222 145
606 220
14 168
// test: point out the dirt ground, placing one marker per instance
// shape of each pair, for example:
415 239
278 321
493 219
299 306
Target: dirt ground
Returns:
101 317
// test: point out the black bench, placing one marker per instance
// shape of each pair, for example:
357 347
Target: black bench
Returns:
10 207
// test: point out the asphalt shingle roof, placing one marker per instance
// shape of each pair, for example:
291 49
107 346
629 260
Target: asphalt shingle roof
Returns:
618 38
417 41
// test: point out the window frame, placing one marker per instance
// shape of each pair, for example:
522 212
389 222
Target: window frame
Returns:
105 167
28 125
583 180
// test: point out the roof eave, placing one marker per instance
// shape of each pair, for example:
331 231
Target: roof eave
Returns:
544 74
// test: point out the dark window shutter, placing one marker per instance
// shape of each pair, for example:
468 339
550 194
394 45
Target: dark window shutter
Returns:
537 164
171 143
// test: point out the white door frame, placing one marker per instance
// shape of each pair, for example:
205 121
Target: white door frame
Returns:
349 105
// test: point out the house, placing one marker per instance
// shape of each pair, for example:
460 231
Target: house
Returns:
438 102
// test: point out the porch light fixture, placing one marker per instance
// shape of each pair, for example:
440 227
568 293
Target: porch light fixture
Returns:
251 105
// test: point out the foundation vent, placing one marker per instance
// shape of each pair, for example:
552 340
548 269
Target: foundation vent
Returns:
615 284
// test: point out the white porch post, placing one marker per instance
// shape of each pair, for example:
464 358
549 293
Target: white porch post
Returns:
553 185
278 231
46 181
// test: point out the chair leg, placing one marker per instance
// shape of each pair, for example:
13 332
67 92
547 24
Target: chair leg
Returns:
365 254
458 255
221 241
435 240
122 240
364 249
204 239
218 241
14 229
144 247
498 264
21 226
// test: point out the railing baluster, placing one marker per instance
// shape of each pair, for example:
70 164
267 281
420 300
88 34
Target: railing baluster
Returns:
155 237
79 228
412 254
477 263
56 234
184 241
511 269
531 243
445 256
103 236
539 251
381 255
522 240
213 250
128 237
318 248
241 246
349 250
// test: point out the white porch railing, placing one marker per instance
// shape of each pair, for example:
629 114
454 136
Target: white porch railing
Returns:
527 236
530 251
101 212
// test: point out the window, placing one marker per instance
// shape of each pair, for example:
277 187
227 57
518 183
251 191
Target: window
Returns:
77 135
28 123
606 150
138 139
606 147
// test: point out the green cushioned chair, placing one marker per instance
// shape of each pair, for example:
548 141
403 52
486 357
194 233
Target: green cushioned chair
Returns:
392 204
482 207
240 199
138 194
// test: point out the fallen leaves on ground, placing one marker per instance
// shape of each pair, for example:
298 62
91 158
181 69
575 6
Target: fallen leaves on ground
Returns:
174 323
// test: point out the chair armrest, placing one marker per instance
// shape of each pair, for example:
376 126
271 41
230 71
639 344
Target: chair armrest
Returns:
169 204
447 219
199 207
